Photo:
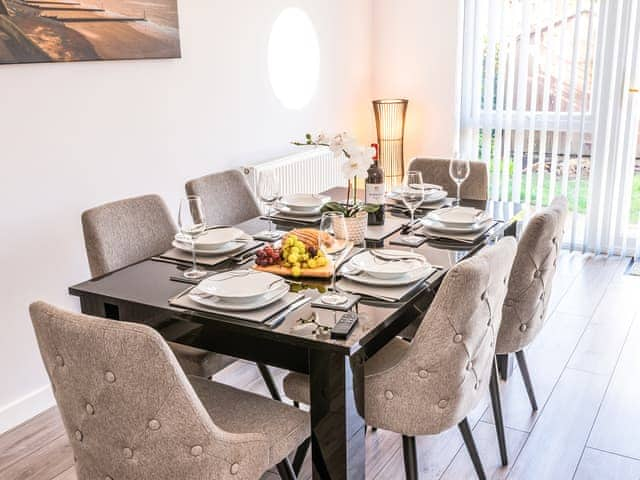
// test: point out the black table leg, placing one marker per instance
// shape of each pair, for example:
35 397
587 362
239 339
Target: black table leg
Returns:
505 365
337 430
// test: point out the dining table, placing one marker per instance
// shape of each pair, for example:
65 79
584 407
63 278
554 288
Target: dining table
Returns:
141 293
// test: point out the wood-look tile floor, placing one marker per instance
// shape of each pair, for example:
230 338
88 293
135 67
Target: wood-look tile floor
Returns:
585 370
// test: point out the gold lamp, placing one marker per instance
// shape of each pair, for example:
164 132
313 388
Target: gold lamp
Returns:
390 117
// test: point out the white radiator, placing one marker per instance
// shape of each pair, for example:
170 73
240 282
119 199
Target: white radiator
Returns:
312 170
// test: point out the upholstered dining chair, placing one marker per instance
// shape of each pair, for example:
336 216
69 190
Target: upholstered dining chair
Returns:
155 423
436 171
432 383
525 306
226 196
120 233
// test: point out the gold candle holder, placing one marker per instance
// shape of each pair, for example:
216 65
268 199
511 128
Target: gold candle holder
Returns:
390 118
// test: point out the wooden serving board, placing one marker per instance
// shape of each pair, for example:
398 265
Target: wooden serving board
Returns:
319 272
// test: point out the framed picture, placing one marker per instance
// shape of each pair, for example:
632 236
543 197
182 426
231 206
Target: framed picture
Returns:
79 30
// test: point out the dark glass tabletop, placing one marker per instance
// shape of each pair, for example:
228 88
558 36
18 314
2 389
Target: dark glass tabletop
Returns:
146 287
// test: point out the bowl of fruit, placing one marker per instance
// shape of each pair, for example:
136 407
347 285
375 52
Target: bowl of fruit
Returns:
296 256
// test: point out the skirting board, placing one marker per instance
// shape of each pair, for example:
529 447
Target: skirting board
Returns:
22 409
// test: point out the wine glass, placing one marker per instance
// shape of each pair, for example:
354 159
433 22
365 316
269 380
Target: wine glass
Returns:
332 226
269 192
412 194
459 172
192 224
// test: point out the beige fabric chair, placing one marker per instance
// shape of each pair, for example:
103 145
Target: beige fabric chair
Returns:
226 196
126 422
530 285
432 383
436 171
120 233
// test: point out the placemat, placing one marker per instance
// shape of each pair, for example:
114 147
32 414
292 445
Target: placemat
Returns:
383 293
259 316
206 260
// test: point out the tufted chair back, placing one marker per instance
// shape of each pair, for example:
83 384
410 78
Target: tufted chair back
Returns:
436 171
120 233
531 278
444 372
129 410
226 196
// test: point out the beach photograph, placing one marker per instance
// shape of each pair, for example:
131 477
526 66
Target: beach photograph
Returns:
81 30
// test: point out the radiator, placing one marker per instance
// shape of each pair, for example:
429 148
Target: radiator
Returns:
311 170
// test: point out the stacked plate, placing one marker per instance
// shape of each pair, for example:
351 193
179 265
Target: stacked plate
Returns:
301 204
432 194
386 268
239 290
217 241
457 220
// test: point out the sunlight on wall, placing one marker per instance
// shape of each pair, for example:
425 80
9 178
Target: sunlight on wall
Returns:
293 58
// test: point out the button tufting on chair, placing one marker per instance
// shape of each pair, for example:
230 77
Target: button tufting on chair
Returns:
108 478
388 394
469 365
154 424
59 361
127 452
196 450
457 338
423 374
78 435
537 274
443 403
235 468
89 408
523 328
109 377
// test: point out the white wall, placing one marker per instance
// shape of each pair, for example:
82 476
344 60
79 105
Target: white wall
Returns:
75 135
415 48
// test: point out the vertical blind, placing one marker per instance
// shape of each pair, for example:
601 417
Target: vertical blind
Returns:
547 103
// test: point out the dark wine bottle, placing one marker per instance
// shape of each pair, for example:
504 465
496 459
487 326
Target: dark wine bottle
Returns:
374 190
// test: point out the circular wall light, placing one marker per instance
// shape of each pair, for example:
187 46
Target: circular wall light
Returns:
293 58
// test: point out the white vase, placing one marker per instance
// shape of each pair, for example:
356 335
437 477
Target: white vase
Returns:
356 227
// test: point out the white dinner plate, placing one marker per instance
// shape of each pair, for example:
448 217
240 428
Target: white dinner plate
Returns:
389 267
218 303
349 272
212 239
304 202
440 227
240 286
458 216
432 196
425 186
221 250
297 213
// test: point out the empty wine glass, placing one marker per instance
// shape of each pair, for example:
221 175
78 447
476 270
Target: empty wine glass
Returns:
269 192
459 172
412 194
332 226
192 224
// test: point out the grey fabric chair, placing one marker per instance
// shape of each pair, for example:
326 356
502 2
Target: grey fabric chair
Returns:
226 196
126 422
530 283
432 383
436 171
120 233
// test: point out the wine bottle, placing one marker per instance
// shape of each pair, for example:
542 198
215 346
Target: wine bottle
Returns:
374 190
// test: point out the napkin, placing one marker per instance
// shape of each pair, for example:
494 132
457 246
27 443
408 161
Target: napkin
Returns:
259 316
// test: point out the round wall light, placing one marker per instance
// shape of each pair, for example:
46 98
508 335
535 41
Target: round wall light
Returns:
293 58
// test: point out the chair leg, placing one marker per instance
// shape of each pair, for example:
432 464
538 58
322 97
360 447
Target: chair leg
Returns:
268 379
285 470
300 455
494 388
410 457
471 448
524 370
